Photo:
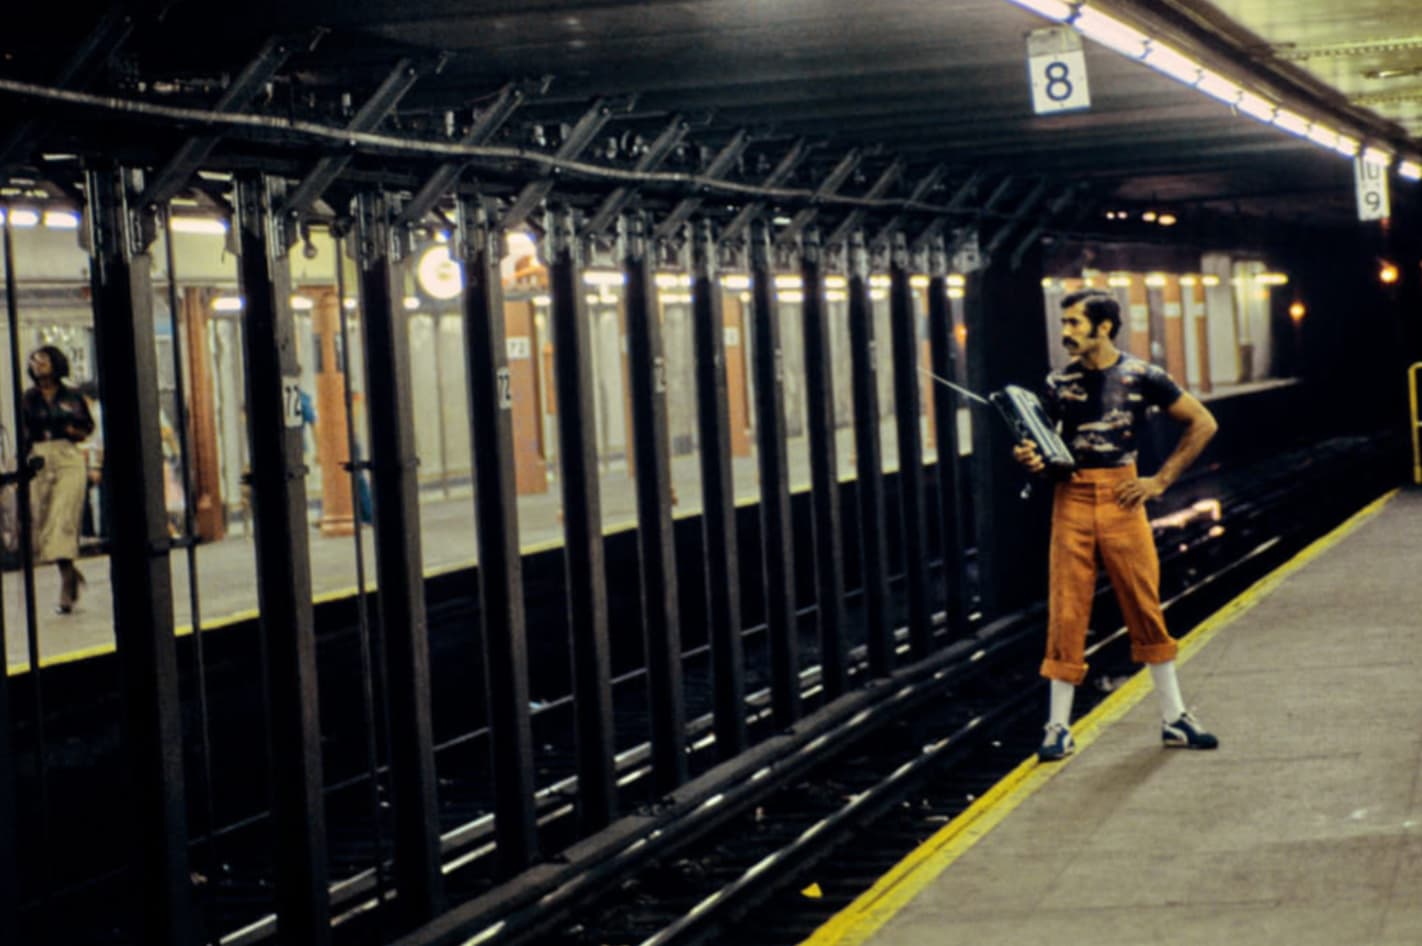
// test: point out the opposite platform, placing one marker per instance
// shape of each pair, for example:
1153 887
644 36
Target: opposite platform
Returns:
1305 827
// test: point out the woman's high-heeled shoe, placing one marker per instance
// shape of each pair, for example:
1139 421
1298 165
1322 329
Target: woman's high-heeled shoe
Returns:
77 585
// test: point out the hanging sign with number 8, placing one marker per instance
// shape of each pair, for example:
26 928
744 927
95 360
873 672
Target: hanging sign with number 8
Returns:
1057 68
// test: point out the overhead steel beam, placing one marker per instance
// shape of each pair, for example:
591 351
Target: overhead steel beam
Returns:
730 153
1062 201
855 218
375 110
832 183
112 30
192 153
442 181
614 202
778 175
575 144
1024 207
920 192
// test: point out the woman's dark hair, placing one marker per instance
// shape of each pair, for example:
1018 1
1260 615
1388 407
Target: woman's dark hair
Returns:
58 364
1100 307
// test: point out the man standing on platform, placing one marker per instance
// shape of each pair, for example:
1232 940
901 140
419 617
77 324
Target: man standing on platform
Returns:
1099 401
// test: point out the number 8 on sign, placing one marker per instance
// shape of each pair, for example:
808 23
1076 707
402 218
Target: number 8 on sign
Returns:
1057 69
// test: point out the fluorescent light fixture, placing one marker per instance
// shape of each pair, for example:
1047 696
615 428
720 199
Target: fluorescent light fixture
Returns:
1111 32
1373 155
1182 68
787 282
350 304
1120 282
1210 280
675 298
919 282
227 304
955 293
1323 135
1272 279
1047 282
24 218
880 281
61 220
1155 280
673 281
604 277
1167 220
957 280
1052 9
791 295
836 282
543 299
1255 106
1189 280
735 282
1149 216
1217 86
1348 147
411 303
206 226
1292 122
836 295
1410 170
302 303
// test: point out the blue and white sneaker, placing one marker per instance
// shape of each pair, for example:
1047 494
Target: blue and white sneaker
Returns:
1057 743
1187 733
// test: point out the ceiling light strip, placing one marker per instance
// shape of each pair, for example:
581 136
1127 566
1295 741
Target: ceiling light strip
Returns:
1130 42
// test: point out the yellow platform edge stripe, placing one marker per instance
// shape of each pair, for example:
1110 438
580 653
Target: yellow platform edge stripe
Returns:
859 921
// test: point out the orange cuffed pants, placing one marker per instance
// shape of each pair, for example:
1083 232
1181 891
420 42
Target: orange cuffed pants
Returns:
1086 520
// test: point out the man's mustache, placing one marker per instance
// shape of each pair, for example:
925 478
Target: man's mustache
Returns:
1068 343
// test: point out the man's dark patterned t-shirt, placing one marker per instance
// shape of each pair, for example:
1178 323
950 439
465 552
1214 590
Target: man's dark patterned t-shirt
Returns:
1100 411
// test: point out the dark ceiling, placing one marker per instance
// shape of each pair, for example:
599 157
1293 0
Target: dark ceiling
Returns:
927 84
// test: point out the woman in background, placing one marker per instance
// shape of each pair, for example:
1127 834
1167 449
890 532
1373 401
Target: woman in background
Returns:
56 420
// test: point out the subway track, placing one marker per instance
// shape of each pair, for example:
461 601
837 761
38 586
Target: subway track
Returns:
818 805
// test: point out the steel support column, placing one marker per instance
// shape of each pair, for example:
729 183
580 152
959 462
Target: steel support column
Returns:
824 469
138 558
399 564
944 356
278 478
582 524
647 368
908 413
775 528
718 498
873 546
9 813
503 630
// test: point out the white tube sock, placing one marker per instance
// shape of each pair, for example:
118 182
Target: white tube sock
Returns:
1167 687
1062 695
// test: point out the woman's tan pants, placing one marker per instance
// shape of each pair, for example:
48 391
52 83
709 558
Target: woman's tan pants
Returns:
1086 520
57 500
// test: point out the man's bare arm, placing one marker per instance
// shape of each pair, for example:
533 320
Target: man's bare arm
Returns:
1200 426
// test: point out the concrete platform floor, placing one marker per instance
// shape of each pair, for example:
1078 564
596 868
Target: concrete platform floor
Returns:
227 569
1304 828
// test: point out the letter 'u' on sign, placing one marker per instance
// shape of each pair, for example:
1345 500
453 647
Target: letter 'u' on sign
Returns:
1370 178
1057 69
